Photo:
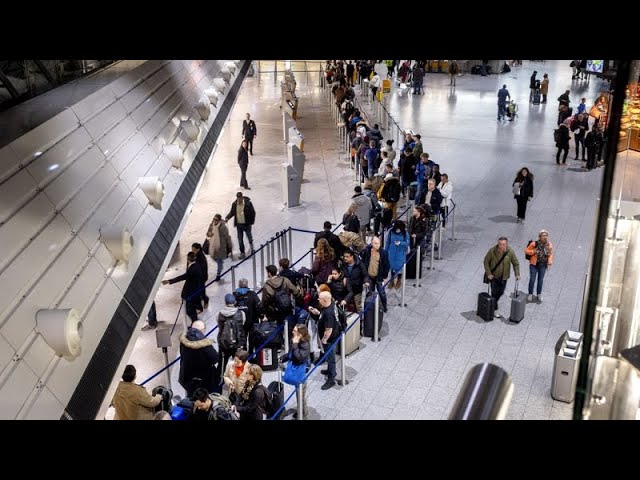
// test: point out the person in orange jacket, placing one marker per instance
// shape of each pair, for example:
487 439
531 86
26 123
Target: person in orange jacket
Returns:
540 256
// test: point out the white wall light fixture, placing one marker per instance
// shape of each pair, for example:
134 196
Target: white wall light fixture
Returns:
212 94
202 107
174 154
189 131
226 74
62 331
220 84
153 188
231 66
118 241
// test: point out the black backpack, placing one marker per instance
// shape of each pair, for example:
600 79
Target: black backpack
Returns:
232 333
352 224
274 398
282 301
526 255
165 404
341 316
392 192
556 136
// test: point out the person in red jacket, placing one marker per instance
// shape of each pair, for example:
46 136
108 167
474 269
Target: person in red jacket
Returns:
540 256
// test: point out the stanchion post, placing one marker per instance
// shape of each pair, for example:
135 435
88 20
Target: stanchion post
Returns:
300 400
343 357
404 283
453 223
311 257
376 318
290 244
255 275
433 245
278 244
418 269
440 241
165 353
286 335
233 276
185 326
262 263
271 252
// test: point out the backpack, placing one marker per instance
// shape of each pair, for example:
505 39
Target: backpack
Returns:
282 301
241 302
165 404
352 224
526 255
232 334
274 399
341 316
221 409
392 192
556 136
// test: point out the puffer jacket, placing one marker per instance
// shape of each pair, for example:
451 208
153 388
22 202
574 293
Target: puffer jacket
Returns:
531 250
235 383
199 360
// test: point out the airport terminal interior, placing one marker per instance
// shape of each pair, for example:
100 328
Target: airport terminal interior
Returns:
108 179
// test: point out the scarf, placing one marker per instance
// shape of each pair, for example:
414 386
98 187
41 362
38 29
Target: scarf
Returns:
246 390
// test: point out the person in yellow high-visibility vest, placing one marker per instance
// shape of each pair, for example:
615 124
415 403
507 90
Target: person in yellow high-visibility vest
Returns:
390 67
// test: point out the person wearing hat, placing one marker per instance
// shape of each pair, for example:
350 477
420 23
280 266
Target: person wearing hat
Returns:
198 360
540 256
244 215
231 334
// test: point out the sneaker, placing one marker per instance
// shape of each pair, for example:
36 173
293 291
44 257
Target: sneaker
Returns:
241 256
328 385
539 298
206 305
530 298
496 314
522 221
324 372
148 327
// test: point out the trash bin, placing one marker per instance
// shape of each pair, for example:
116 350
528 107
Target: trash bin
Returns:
565 368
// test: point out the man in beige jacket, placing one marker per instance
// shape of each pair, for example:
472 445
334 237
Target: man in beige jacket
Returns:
131 401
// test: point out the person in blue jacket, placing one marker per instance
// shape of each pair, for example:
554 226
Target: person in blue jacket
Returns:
396 245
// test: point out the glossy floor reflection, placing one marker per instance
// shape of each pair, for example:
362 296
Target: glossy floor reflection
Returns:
416 371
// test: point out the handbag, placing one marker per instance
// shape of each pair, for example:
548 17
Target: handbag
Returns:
205 247
294 374
485 278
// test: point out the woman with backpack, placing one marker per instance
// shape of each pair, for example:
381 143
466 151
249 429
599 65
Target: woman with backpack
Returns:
396 245
350 219
522 188
254 400
540 256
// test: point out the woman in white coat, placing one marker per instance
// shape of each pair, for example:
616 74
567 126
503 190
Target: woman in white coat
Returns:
446 189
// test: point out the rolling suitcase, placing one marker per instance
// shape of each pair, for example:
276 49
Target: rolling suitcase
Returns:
369 316
267 358
486 306
518 305
352 339
536 97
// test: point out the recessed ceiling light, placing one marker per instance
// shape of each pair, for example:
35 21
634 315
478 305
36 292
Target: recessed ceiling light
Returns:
53 167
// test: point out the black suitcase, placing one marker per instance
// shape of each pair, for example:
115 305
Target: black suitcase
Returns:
486 306
536 97
267 358
165 404
369 316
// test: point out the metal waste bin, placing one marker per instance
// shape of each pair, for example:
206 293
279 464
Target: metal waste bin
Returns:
565 368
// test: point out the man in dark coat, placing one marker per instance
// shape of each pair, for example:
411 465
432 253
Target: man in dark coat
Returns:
201 260
243 162
192 283
198 361
249 131
356 276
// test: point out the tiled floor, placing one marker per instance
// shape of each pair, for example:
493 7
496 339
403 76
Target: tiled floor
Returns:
418 368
